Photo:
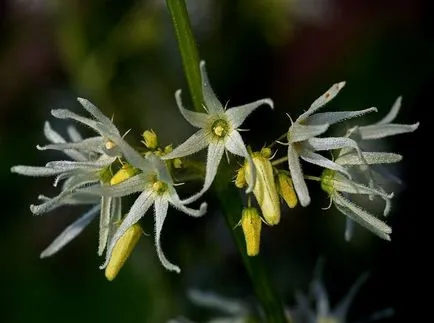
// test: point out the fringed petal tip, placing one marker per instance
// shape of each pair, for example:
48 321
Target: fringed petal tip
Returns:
203 208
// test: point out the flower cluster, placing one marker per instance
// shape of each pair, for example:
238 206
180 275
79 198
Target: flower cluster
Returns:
104 168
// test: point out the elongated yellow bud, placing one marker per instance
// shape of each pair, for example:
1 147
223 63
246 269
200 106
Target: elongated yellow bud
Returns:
151 140
123 174
122 251
251 223
265 190
286 189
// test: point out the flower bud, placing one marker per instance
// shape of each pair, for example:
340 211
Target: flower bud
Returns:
286 189
151 141
251 223
265 190
123 174
122 250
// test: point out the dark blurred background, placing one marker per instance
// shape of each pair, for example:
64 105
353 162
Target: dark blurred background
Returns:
122 55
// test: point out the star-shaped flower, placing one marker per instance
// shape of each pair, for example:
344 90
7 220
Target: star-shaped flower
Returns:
156 187
303 143
85 169
218 131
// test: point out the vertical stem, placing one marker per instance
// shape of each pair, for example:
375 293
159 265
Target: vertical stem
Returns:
188 49
227 195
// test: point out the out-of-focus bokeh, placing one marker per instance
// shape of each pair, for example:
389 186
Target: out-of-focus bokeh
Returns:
122 55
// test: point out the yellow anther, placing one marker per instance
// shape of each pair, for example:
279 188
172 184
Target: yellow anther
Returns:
159 187
286 189
240 180
123 174
122 250
251 223
266 152
265 190
219 131
110 145
151 140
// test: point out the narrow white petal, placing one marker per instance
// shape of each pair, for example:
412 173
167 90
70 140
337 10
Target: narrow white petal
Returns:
51 135
303 307
130 186
196 119
237 115
195 143
212 103
104 223
138 209
297 176
322 161
161 206
217 302
180 205
341 310
321 298
115 217
323 99
389 117
298 132
66 114
93 144
335 117
330 143
70 232
349 229
70 165
370 158
73 134
236 146
97 114
386 130
35 170
214 156
362 217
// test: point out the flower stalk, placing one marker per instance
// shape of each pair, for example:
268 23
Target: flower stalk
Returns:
227 195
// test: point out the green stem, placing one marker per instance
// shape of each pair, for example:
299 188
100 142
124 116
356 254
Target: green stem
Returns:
188 49
227 194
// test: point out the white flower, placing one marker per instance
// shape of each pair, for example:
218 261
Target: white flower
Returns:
385 127
341 188
84 170
156 187
218 131
302 140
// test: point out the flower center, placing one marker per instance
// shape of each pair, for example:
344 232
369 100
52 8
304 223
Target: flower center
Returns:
220 128
159 187
110 145
327 178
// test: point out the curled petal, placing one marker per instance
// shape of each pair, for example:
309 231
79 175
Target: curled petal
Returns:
130 186
161 206
389 117
180 205
237 115
214 156
196 119
70 232
97 114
